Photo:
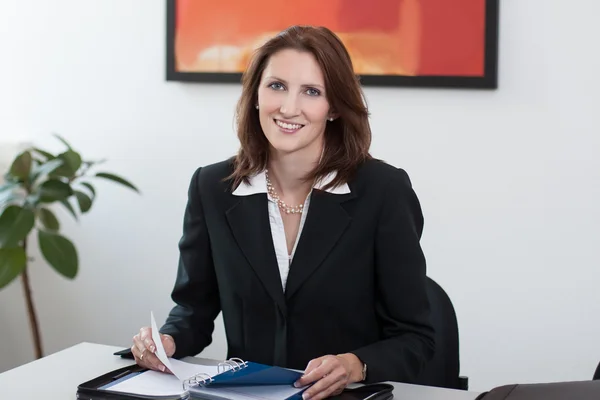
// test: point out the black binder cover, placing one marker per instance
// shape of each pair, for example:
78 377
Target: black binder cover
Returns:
90 390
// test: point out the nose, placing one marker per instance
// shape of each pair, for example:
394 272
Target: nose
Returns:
289 105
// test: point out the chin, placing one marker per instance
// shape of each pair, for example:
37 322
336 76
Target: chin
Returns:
284 144
285 149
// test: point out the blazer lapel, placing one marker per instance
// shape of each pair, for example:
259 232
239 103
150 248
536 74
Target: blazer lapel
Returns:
325 223
249 222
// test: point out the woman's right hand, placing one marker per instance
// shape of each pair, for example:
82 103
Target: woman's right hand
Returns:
144 349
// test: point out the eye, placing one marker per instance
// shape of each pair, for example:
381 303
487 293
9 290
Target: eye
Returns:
313 92
276 86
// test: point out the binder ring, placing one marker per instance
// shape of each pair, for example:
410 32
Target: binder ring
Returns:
196 380
232 364
228 365
223 365
242 362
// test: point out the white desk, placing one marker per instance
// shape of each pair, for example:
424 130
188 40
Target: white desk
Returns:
55 377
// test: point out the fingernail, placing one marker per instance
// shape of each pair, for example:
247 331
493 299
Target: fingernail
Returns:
152 349
162 368
305 396
297 384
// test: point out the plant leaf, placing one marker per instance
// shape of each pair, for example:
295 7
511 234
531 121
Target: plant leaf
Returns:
21 166
85 202
69 207
12 263
90 187
15 224
54 190
115 178
63 140
48 219
59 252
72 158
72 162
46 168
43 153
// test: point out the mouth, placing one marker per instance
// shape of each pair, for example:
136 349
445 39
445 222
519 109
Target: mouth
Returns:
288 127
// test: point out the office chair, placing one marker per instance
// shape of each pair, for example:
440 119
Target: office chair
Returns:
444 368
597 373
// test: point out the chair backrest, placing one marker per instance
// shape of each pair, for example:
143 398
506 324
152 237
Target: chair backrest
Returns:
597 373
444 368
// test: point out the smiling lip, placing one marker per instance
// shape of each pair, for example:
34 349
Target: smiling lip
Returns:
287 127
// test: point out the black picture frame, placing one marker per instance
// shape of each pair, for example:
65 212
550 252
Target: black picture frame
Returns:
488 81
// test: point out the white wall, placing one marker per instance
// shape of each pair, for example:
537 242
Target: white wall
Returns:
508 180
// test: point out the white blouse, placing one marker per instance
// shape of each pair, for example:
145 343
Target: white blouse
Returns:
258 184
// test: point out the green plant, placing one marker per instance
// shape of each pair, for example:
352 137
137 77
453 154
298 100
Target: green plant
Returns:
36 180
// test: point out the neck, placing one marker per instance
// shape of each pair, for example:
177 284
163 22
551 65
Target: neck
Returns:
287 172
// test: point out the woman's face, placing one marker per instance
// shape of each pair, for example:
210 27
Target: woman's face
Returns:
292 103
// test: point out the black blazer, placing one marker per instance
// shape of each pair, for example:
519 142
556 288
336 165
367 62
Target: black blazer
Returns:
356 283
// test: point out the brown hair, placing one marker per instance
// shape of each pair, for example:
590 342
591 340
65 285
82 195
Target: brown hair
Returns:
347 138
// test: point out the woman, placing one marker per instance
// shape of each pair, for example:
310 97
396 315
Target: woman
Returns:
308 245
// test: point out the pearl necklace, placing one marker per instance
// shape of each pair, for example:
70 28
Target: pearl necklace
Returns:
282 205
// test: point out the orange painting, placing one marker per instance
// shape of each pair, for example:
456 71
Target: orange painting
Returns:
386 38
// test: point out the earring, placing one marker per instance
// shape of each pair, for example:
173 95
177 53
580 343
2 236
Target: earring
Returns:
330 119
256 106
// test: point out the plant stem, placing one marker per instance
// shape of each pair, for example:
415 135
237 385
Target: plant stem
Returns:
33 322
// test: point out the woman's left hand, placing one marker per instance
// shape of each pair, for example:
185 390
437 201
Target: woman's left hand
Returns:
331 373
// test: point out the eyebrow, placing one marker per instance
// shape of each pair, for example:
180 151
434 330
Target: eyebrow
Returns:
305 85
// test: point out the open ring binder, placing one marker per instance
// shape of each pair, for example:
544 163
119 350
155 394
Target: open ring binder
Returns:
234 379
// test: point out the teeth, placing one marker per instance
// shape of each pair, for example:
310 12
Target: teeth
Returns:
285 125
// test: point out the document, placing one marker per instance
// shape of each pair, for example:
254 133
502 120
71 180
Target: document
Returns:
154 383
180 369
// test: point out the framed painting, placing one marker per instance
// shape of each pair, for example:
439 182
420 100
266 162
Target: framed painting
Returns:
416 43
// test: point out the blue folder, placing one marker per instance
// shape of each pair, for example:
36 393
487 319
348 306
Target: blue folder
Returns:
255 374
248 379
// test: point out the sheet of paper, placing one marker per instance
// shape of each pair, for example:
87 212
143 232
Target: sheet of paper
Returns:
181 369
150 383
154 383
160 350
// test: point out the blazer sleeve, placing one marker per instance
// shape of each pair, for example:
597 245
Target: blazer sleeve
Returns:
407 336
195 293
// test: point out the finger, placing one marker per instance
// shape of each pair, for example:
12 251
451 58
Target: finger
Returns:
138 356
139 344
144 357
333 376
323 388
146 337
135 352
152 360
321 368
317 374
309 373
